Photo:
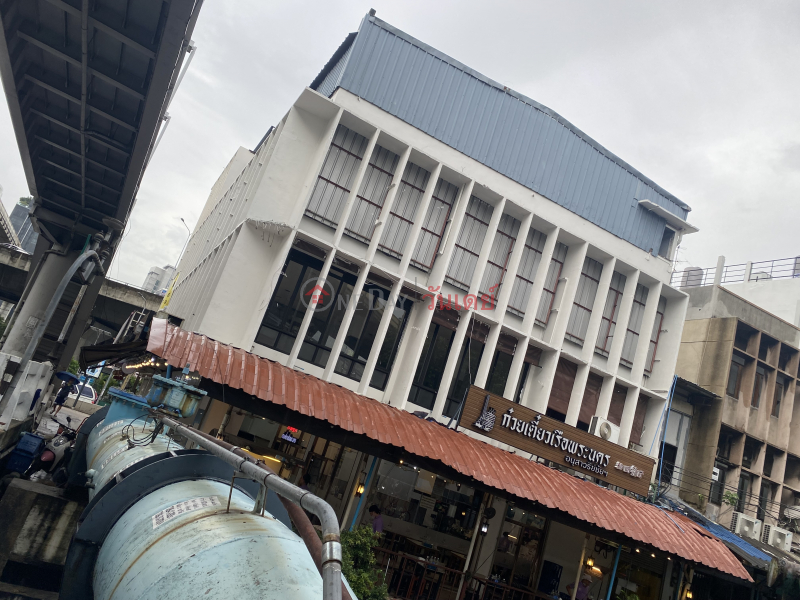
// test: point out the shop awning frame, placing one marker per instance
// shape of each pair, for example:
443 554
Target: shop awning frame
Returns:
388 429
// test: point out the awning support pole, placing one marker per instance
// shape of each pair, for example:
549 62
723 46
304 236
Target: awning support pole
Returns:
613 572
680 582
475 534
580 568
366 489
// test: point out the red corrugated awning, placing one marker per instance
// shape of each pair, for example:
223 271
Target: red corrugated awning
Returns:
492 466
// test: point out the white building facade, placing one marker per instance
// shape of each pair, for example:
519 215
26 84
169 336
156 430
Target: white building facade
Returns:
158 278
411 227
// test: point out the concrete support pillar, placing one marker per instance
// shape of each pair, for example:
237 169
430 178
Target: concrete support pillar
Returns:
596 318
486 248
538 396
606 392
748 270
452 363
517 366
351 197
570 274
346 320
488 355
512 267
419 217
626 424
391 194
651 436
576 397
720 270
450 236
623 317
301 334
538 281
380 336
42 288
648 322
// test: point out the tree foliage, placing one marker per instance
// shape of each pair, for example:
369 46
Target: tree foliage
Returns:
73 367
358 564
25 201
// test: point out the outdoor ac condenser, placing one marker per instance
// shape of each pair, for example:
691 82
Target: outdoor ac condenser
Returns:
746 527
775 536
603 428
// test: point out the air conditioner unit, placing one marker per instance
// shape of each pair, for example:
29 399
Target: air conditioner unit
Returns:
775 536
605 429
744 526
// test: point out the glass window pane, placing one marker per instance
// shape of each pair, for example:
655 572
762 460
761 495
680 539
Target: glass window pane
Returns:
438 358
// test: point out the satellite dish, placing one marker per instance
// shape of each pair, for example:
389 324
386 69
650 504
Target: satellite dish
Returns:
792 512
605 430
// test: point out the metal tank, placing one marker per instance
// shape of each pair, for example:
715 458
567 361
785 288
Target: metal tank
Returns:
164 522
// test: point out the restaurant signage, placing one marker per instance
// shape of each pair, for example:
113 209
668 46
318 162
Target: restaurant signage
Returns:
530 431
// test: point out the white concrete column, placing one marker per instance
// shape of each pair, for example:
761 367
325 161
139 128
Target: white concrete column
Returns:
606 392
408 355
441 263
452 363
515 372
351 197
596 318
419 217
719 271
391 194
651 436
336 349
648 322
576 397
512 267
571 273
488 355
380 336
626 423
486 247
301 334
539 394
539 279
623 316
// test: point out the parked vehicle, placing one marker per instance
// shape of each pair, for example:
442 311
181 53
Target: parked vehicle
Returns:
88 395
56 451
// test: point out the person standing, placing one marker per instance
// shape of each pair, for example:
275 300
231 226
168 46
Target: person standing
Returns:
377 519
61 397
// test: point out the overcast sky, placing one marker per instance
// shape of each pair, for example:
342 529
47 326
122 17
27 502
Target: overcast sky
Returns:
702 97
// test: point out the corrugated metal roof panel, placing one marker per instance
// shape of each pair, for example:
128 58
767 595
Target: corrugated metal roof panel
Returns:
502 129
473 458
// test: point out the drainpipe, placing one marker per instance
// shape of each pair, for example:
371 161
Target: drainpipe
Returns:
613 572
331 548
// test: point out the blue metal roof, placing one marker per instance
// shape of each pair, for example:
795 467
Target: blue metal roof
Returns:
498 127
756 556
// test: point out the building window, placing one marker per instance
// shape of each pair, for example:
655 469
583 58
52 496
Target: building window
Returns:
430 367
361 336
469 242
551 285
664 250
584 301
778 396
610 313
404 208
498 374
735 376
634 325
335 180
655 335
372 194
758 387
285 311
528 266
743 491
430 236
502 246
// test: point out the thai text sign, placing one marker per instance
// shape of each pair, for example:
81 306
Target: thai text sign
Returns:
532 432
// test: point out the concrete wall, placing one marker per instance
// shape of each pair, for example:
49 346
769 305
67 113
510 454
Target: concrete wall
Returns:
780 297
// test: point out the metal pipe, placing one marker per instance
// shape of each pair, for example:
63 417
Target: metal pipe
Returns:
331 550
475 533
613 572
45 321
366 488
664 433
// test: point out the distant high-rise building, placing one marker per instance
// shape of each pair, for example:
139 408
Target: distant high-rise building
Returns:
7 233
21 222
158 278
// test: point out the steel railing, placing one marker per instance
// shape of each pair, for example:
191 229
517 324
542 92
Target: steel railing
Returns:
782 268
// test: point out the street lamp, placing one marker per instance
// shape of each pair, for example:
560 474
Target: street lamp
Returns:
184 244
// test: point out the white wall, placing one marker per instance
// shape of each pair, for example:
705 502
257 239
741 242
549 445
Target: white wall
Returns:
781 297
